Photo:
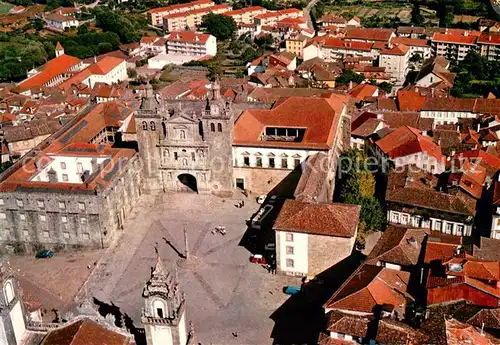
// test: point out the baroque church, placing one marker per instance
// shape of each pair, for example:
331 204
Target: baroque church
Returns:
186 144
163 317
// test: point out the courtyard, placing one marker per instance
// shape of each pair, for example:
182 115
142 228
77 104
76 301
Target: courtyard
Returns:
225 293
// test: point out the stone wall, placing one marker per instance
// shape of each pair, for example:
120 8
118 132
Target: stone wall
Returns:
326 251
259 180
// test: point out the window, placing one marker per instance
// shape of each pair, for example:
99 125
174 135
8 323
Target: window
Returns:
22 216
271 162
63 165
19 203
81 206
79 167
246 162
219 127
152 126
144 126
40 204
66 234
258 161
83 220
176 156
65 177
64 219
182 134
289 250
289 263
404 219
184 162
449 228
395 217
62 205
46 234
289 237
212 127
296 162
284 163
42 217
437 225
2 202
460 230
193 156
159 312
3 215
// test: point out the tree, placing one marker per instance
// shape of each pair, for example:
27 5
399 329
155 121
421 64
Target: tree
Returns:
416 16
117 23
82 29
476 76
347 76
222 27
265 41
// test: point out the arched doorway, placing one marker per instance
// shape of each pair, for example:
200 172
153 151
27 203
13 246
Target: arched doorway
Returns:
188 183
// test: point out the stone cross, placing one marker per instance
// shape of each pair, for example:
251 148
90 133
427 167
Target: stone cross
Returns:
186 248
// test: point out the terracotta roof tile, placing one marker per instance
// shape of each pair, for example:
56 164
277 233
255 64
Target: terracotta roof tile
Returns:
489 317
456 39
458 333
319 219
371 286
363 91
410 101
369 34
179 6
188 36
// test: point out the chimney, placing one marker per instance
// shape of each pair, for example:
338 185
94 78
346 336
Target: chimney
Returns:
478 127
95 59
466 33
350 85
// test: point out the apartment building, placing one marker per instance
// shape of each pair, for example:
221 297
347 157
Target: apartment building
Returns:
270 18
191 19
246 15
454 45
396 61
417 46
155 15
295 45
191 43
489 45
333 49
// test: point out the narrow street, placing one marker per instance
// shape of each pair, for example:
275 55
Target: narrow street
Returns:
307 13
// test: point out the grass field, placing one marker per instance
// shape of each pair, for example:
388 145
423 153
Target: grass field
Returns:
5 7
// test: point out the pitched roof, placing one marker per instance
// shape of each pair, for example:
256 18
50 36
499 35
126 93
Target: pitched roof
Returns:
456 39
320 117
489 249
411 42
449 104
188 36
371 286
367 128
49 71
394 332
179 6
397 49
84 332
363 91
399 246
406 141
354 325
489 318
410 100
335 42
101 67
370 34
458 333
475 268
338 220
415 187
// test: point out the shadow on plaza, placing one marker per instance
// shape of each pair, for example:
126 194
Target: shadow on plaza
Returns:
301 318
122 320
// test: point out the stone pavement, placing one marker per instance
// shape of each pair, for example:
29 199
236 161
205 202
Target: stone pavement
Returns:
225 292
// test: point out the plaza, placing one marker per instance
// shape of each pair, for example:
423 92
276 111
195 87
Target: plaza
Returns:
225 293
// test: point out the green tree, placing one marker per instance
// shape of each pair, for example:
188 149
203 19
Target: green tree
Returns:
5 165
222 27
416 16
265 41
83 29
476 76
115 22
347 76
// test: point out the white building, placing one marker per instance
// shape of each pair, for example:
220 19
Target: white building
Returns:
155 15
421 47
191 43
305 247
69 168
454 46
396 61
448 110
407 146
60 22
334 49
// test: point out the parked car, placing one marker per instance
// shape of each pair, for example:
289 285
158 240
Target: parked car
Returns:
258 259
44 254
291 290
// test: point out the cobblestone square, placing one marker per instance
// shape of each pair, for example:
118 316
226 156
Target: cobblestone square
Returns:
225 292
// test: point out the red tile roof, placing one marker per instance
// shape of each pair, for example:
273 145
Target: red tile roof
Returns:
411 42
339 220
198 10
410 100
455 39
487 38
49 71
475 268
369 34
436 251
187 36
179 6
101 67
244 10
320 116
363 91
458 333
406 141
371 286
84 332
397 49
334 42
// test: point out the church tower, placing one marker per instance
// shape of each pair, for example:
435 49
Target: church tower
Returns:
12 320
218 127
59 49
164 315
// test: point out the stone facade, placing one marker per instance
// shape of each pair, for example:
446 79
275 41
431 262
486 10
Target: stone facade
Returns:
12 319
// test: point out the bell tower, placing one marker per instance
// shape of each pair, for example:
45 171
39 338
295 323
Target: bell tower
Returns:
12 317
164 313
218 126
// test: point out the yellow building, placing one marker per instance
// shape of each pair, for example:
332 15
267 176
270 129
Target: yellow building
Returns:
296 44
245 15
191 19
